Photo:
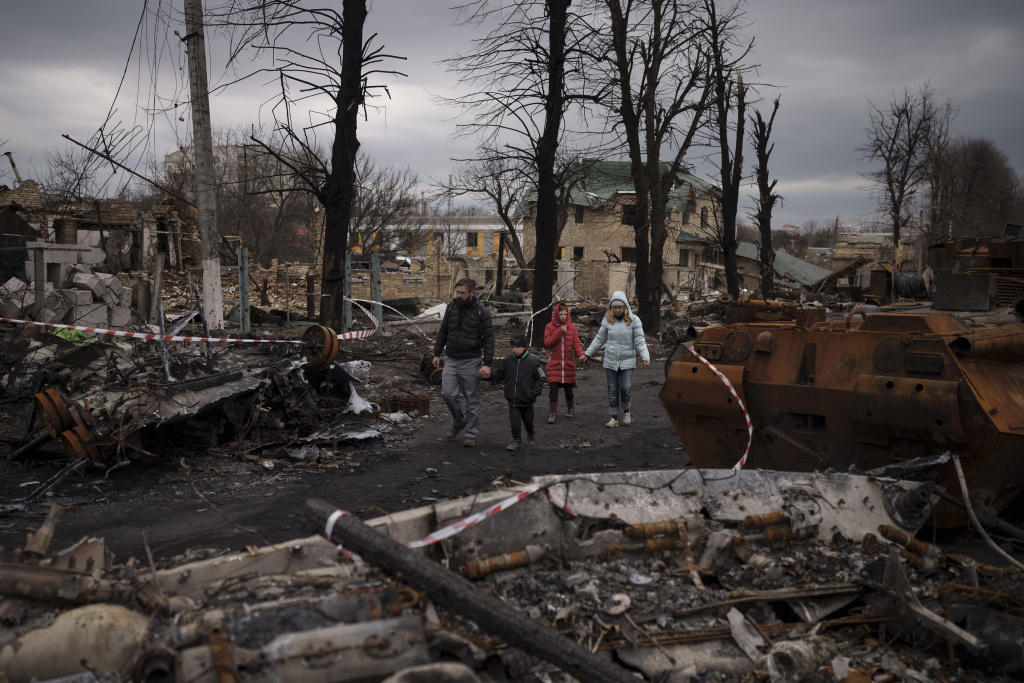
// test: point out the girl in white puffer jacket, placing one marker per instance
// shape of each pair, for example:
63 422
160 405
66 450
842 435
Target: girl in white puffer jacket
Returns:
622 336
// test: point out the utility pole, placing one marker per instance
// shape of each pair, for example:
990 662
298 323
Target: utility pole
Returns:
202 146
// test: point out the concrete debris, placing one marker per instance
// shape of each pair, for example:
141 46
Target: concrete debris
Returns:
596 570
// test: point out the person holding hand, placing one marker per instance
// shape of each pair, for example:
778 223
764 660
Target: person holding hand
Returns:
622 337
562 340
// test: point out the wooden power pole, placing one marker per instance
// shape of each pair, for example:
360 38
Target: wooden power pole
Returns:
202 146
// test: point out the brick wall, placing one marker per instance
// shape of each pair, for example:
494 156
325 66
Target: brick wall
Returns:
592 281
26 194
602 231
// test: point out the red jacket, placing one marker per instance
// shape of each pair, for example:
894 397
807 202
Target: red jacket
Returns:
563 348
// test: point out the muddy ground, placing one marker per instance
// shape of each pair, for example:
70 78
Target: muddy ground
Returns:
196 499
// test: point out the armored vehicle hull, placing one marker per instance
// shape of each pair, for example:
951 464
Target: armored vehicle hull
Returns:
866 393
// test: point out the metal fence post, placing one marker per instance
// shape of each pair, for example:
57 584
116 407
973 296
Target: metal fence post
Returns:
348 291
243 290
375 293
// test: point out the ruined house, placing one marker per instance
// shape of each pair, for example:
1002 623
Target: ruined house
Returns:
598 246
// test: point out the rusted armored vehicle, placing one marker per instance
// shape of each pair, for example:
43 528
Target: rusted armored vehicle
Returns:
866 391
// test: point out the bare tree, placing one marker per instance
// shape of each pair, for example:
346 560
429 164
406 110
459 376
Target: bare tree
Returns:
526 73
313 71
71 177
385 215
658 71
974 189
766 197
897 136
729 96
501 184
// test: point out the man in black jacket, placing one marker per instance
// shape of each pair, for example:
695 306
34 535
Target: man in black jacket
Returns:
465 333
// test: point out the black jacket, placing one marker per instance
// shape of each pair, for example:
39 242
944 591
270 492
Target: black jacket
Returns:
465 331
523 378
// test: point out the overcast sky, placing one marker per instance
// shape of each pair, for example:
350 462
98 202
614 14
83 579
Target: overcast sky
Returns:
61 62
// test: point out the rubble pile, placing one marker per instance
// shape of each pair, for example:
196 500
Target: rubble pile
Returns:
90 299
715 574
726 575
111 403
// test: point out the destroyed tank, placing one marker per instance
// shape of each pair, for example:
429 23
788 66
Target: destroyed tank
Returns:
866 391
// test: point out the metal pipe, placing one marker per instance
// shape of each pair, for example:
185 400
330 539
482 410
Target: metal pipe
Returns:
14 167
1001 344
163 343
977 525
30 446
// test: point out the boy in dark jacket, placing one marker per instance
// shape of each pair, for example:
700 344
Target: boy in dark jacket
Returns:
523 376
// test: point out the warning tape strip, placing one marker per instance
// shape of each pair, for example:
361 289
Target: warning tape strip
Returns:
151 336
529 323
462 524
732 390
155 337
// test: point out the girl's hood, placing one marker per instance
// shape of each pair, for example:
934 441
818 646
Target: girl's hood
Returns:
621 295
554 314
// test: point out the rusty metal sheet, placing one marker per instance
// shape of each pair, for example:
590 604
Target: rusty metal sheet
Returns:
695 379
999 390
885 408
964 291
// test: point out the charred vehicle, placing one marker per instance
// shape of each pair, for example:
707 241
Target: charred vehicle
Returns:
865 391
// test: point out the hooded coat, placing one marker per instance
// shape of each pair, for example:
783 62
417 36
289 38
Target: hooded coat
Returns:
621 341
563 347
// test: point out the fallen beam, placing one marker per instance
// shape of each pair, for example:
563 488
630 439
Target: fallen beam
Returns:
455 593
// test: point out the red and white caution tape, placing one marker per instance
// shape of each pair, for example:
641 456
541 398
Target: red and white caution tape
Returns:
151 336
732 390
462 524
384 305
529 323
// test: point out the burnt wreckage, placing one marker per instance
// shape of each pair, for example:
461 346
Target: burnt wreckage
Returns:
862 391
113 405
666 574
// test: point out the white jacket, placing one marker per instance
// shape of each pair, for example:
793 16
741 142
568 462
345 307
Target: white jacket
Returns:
621 342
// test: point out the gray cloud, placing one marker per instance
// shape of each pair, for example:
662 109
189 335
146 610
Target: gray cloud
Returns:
60 62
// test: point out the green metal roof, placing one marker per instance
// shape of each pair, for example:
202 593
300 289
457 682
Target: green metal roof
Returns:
602 180
786 265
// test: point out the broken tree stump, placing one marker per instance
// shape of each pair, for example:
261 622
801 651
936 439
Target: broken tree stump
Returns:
455 593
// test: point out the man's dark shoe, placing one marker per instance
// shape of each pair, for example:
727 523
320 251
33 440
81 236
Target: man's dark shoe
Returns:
529 440
469 442
514 446
454 432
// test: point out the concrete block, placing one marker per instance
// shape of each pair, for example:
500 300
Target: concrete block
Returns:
110 282
120 317
90 282
47 315
111 299
126 297
12 287
81 268
90 315
17 306
60 256
76 297
91 257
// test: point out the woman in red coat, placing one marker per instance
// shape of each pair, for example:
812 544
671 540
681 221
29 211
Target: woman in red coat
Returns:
563 345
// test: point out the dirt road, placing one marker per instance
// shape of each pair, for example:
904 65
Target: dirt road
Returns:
211 501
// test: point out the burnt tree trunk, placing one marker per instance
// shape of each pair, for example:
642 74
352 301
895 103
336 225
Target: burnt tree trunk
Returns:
455 593
546 225
339 190
766 198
